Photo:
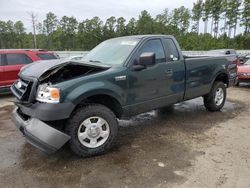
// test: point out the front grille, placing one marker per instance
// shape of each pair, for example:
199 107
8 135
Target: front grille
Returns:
22 89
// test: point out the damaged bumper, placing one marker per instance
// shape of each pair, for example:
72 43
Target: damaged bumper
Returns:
40 134
47 112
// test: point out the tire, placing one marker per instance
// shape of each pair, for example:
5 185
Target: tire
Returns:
86 133
214 102
237 84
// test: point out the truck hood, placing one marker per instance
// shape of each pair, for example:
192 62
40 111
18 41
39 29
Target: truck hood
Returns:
244 68
43 69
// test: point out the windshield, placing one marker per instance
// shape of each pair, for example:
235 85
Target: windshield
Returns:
113 51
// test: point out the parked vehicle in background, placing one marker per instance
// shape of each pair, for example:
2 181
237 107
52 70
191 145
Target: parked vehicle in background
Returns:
243 58
243 73
80 101
12 60
76 57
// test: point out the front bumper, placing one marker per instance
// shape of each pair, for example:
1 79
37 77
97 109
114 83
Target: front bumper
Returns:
39 134
47 111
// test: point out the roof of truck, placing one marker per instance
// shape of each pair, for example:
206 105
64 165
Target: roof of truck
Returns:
145 36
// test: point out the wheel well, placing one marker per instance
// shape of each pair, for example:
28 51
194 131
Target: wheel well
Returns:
223 78
107 101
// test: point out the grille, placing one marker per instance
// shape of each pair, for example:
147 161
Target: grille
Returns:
22 89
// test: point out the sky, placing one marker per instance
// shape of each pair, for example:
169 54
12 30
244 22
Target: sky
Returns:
81 9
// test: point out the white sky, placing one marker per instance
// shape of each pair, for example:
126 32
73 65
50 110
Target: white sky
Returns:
81 9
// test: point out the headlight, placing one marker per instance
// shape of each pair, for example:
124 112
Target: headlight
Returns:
48 94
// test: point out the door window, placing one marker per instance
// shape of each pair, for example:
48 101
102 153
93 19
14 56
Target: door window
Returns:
46 56
156 47
1 60
171 50
15 59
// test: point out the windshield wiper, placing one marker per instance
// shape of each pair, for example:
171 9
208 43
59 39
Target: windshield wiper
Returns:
95 61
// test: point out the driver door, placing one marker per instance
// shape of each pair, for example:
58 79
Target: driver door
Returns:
147 86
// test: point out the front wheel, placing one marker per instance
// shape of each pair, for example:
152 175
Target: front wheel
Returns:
215 100
93 130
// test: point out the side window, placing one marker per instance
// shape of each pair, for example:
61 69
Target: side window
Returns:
155 46
46 56
15 59
171 50
1 60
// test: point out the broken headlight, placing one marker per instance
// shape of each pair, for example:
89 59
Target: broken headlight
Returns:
48 94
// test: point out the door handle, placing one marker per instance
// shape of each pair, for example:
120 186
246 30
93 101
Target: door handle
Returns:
169 72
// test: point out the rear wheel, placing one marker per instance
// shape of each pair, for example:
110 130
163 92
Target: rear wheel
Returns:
215 100
93 130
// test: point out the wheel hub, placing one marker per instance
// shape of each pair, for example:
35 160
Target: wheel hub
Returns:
93 131
219 96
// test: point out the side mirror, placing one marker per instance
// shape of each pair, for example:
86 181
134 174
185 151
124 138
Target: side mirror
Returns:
147 59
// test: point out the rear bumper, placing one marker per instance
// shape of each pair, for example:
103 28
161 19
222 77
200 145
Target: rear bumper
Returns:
39 134
245 80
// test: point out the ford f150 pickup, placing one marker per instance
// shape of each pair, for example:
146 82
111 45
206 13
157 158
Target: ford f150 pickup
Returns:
79 102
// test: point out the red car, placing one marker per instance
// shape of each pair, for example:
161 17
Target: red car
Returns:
244 73
11 62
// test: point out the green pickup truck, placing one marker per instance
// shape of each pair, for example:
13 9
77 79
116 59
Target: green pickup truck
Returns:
79 102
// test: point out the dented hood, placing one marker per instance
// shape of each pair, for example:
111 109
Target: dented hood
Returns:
38 68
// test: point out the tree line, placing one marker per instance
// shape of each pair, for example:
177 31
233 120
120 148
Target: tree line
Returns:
220 21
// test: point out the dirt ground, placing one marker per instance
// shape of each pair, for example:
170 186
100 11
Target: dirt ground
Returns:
189 147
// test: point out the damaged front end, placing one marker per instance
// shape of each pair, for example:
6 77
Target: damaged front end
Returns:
39 103
47 93
38 133
70 70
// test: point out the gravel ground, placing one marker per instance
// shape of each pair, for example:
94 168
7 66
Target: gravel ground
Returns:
188 147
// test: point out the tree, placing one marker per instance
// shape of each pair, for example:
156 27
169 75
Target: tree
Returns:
196 15
131 27
90 33
206 13
224 8
20 33
216 10
11 37
162 23
145 23
232 14
50 23
34 25
121 27
245 20
109 28
67 31
181 18
3 33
